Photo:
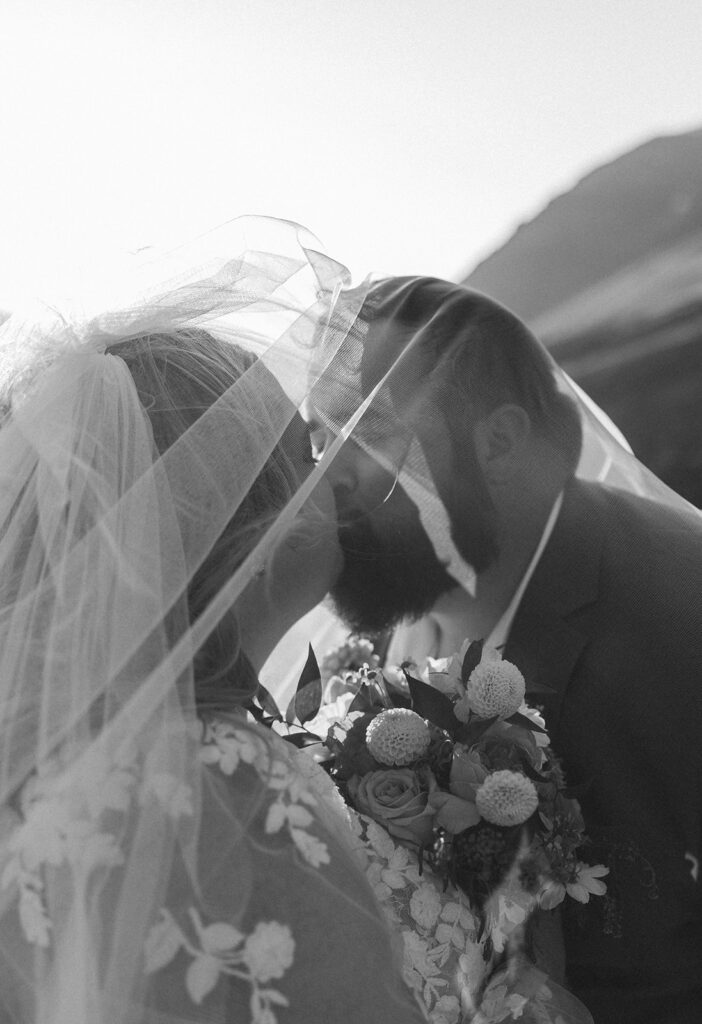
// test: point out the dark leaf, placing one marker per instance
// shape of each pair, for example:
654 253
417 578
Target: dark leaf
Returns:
305 704
255 711
532 773
310 673
428 702
518 719
301 739
308 695
366 700
398 699
471 660
267 702
470 732
260 716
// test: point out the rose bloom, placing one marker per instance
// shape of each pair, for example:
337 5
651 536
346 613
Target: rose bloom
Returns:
504 746
398 799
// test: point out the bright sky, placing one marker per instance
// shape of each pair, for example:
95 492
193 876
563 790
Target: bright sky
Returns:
409 135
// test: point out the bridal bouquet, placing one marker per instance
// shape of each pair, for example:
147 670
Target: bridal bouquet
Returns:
455 767
460 816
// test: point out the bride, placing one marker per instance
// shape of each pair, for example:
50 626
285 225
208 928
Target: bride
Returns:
162 524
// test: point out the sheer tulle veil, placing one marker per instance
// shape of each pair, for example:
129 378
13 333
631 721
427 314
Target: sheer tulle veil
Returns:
160 860
397 384
138 883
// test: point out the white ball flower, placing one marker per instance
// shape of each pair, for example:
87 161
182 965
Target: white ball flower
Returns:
506 798
397 737
494 688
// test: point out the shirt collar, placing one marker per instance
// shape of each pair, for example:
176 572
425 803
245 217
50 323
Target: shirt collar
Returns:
500 631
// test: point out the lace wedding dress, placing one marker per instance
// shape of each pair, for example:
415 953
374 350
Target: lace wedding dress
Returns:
277 924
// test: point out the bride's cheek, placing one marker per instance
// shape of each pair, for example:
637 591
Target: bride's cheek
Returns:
315 541
308 560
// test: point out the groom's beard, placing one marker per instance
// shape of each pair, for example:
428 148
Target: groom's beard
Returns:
387 578
391 571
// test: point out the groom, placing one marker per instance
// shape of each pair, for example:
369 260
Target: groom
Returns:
595 593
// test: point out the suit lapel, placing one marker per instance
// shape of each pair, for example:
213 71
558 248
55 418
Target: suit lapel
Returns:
549 632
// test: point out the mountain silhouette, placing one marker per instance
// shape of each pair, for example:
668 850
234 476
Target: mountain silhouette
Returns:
609 276
640 203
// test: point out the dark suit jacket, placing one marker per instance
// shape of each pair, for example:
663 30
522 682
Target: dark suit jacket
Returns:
612 622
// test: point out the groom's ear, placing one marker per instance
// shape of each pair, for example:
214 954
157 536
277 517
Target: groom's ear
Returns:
500 440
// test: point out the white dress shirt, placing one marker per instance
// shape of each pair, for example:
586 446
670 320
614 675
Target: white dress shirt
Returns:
500 631
422 639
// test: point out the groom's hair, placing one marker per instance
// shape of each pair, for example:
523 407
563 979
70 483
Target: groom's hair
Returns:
179 376
477 354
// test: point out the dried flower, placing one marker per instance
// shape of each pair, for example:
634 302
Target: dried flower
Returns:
353 654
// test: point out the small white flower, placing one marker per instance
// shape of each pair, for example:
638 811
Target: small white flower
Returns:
444 674
269 951
587 882
352 654
333 713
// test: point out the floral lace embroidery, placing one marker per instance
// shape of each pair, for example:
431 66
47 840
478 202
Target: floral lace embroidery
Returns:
443 962
438 930
227 745
61 823
220 948
263 956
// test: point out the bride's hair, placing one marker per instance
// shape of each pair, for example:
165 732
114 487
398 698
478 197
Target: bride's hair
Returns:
178 377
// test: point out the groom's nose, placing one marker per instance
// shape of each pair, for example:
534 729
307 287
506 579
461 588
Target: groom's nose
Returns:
359 481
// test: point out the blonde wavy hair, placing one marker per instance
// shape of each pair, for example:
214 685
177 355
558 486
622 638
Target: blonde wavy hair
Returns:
178 376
